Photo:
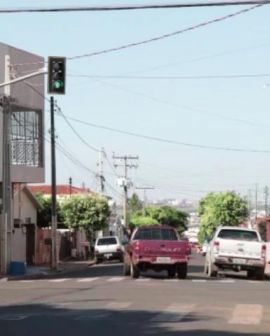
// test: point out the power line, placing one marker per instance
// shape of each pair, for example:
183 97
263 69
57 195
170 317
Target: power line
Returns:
174 142
133 7
161 37
239 76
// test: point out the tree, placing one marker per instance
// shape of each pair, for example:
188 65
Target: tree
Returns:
164 215
86 212
44 215
220 209
134 203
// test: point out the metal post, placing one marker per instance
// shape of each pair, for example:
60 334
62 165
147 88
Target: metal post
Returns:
6 191
54 263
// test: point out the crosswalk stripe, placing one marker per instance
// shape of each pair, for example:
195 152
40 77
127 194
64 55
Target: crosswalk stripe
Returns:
87 279
171 280
174 313
199 280
118 305
247 314
142 280
116 279
26 281
58 280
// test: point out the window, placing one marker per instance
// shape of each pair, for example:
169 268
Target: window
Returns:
26 138
155 234
238 235
107 241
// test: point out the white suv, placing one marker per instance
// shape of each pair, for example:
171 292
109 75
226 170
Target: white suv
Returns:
108 248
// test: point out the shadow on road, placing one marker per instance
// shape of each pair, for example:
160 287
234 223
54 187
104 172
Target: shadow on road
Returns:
44 320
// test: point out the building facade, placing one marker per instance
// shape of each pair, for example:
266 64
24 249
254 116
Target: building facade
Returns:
21 137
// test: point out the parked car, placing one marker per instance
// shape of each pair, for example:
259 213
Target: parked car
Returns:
108 248
156 247
237 249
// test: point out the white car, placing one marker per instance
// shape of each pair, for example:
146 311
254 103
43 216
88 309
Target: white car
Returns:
108 248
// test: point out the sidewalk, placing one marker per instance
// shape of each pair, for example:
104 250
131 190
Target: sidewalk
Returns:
43 272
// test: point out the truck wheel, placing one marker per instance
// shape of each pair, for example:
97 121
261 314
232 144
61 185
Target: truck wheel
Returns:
134 271
259 274
182 271
126 269
171 273
251 274
211 270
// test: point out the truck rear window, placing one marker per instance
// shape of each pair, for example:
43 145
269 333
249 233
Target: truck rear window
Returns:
238 235
155 234
107 241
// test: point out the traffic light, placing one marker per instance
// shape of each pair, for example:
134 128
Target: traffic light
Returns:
56 75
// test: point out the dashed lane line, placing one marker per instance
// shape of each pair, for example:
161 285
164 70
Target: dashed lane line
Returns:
174 313
249 314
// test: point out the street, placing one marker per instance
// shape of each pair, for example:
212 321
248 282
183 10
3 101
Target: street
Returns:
100 301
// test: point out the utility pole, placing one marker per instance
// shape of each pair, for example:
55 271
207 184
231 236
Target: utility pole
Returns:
266 193
256 202
54 263
100 174
6 189
6 228
124 182
144 195
70 186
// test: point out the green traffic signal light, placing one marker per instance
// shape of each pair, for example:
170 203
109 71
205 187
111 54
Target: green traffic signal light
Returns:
56 75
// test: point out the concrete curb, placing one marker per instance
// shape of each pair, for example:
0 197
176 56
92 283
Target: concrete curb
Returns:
51 274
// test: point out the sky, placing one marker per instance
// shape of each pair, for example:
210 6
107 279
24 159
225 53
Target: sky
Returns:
203 91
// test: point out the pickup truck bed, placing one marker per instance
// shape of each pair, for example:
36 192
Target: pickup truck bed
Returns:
237 249
157 248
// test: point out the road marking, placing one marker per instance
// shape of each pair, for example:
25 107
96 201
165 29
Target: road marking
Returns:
116 279
87 279
142 280
174 313
171 280
199 280
26 281
225 281
118 305
247 314
58 280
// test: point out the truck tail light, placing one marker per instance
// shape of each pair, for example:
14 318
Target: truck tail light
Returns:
216 245
263 252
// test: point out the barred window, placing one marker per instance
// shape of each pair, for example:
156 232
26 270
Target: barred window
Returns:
26 138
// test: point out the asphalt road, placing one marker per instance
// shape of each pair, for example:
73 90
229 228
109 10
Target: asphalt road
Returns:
100 301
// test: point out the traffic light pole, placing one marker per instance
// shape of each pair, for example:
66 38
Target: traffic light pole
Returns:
54 261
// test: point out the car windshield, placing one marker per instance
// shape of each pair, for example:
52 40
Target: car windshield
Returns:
107 241
155 234
238 235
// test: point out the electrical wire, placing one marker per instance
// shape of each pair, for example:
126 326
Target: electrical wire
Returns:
133 7
167 77
174 142
164 36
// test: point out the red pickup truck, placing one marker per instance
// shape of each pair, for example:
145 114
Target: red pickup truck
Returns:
156 247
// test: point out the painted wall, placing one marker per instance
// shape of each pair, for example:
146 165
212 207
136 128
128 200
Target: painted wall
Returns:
25 98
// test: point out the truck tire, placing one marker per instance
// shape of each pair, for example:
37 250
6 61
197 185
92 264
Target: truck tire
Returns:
134 271
182 271
126 269
211 270
259 274
171 273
